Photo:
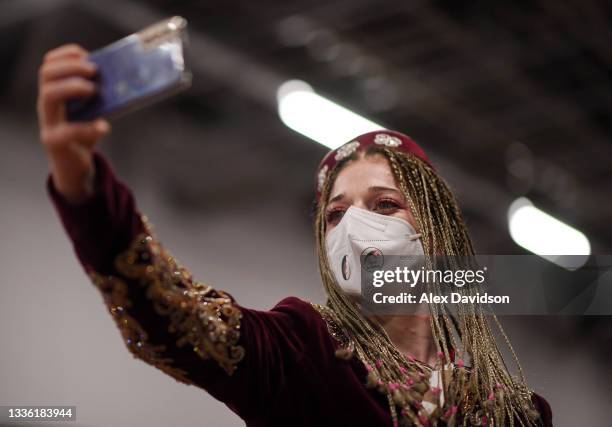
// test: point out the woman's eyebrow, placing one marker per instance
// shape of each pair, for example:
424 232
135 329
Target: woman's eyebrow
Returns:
378 189
373 189
336 198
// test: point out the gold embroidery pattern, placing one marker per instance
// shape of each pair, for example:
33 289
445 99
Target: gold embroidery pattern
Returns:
134 336
202 317
333 325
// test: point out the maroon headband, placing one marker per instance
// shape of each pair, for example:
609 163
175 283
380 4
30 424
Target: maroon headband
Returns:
386 138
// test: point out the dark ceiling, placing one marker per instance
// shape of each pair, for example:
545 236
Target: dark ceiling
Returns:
510 98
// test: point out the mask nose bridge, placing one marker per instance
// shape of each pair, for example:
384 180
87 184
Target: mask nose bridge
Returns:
379 226
385 223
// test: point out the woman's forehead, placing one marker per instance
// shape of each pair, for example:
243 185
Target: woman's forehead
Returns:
361 174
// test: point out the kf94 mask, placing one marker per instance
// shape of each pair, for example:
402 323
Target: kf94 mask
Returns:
365 240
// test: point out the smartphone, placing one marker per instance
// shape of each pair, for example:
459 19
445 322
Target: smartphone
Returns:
136 71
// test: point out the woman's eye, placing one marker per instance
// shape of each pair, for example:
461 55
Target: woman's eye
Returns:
334 216
386 206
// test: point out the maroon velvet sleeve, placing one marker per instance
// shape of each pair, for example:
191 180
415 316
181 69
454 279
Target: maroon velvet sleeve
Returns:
195 333
543 408
102 226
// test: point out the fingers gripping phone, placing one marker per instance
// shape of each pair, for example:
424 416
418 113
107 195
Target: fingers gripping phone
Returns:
136 71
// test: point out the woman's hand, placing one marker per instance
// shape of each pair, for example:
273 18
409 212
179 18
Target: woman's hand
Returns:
64 74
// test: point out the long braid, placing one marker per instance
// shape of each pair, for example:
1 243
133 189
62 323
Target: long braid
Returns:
487 390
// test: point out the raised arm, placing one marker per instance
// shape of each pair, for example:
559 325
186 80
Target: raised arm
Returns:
155 302
115 244
195 333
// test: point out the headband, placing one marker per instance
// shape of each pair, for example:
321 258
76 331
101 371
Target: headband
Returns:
386 138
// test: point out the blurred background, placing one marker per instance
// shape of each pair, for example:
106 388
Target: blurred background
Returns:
511 99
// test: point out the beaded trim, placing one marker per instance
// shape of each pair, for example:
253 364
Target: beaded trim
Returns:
136 339
346 150
428 395
321 177
387 140
201 316
333 326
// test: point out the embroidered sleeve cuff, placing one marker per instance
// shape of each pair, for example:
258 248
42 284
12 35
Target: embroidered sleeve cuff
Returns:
200 317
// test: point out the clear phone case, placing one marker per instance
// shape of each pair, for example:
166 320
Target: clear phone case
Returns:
137 70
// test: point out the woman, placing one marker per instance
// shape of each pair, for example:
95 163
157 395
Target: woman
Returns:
299 363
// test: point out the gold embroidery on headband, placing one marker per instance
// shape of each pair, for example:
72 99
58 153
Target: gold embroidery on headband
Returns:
202 317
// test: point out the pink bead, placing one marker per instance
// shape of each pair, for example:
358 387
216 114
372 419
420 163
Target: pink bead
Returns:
369 368
440 354
436 390
379 363
460 363
403 370
491 396
450 412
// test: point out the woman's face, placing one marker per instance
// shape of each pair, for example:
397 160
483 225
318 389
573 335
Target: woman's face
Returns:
367 183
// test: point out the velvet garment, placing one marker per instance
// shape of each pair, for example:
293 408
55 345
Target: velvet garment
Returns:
272 368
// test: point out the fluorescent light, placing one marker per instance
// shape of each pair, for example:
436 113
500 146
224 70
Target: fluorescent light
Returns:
318 118
545 235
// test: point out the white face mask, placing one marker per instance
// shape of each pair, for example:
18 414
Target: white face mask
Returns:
361 232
